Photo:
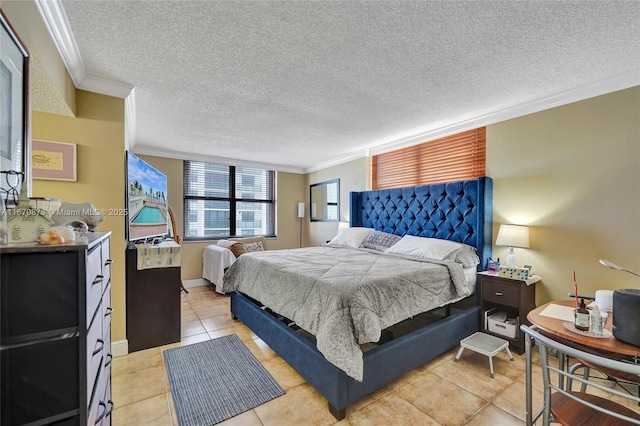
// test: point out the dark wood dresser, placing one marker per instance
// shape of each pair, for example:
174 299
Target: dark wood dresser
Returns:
55 334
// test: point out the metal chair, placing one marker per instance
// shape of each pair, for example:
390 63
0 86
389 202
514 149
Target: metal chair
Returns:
619 378
579 408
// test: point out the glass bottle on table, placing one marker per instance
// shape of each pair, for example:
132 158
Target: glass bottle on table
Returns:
582 317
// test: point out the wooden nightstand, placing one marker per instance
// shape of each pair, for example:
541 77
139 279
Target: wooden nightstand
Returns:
516 297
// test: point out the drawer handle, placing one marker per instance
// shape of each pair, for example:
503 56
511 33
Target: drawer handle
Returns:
100 348
105 412
109 311
108 262
498 293
108 361
98 280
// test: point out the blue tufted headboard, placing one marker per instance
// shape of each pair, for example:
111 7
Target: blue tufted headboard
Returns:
457 211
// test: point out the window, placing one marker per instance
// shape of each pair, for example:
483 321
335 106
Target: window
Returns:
223 201
452 158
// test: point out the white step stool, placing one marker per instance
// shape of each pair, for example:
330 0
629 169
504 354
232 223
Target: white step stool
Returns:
484 344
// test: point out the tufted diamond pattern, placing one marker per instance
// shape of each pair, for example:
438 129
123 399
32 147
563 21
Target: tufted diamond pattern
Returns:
456 211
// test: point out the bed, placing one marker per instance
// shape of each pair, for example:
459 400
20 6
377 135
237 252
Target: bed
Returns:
457 211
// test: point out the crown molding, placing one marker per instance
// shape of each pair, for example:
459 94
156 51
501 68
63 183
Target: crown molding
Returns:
179 155
130 120
57 24
337 161
602 87
55 19
106 87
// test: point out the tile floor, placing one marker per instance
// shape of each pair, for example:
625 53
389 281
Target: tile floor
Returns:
439 393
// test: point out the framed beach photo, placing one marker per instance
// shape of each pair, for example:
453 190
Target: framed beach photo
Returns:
53 160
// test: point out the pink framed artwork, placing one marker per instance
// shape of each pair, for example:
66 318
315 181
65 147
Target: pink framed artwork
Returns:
53 160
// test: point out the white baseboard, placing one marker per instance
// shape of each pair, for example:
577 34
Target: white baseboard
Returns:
120 348
198 282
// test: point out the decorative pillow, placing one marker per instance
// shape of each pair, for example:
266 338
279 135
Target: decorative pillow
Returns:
249 240
379 240
235 247
430 248
251 247
467 256
351 237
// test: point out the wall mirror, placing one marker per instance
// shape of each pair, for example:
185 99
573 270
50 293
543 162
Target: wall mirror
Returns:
14 112
325 201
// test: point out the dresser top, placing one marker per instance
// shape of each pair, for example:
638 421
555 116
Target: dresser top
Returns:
81 243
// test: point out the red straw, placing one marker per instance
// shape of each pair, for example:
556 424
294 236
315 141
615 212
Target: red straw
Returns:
575 288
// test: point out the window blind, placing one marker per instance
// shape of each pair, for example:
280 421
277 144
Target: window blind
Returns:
227 201
452 158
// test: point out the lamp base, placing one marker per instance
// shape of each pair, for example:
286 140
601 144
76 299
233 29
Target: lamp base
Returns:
511 258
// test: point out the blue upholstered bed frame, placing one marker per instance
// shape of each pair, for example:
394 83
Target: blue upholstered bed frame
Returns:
458 211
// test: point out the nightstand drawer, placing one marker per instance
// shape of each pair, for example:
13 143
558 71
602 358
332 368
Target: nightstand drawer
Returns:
503 293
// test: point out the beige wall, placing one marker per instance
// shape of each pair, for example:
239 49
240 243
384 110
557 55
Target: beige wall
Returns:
353 176
290 191
572 173
98 132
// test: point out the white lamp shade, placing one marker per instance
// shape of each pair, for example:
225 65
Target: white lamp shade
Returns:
300 209
513 236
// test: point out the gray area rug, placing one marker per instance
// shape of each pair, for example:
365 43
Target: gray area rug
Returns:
215 380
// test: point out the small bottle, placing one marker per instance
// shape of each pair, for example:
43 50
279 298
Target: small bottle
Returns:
596 321
582 317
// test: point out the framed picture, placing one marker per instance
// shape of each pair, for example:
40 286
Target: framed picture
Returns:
14 112
53 160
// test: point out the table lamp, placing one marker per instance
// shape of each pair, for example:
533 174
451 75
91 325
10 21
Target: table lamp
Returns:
513 236
626 310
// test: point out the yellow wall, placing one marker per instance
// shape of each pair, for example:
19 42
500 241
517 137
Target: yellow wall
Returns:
572 173
98 132
290 191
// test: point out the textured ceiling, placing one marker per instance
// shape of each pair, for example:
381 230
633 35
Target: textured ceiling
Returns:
300 83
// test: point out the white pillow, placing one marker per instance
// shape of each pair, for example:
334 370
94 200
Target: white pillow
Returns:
430 248
351 237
